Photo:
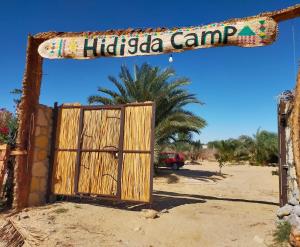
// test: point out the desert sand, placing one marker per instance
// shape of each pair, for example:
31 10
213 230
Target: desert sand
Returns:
197 206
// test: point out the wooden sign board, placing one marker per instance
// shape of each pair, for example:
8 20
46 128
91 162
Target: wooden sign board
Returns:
248 32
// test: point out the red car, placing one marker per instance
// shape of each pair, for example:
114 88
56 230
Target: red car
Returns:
171 159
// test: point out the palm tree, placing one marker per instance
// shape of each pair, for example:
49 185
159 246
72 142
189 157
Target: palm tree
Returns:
18 93
161 86
181 143
261 149
245 148
196 147
266 147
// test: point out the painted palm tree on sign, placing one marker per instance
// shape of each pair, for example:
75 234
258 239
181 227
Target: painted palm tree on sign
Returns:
149 83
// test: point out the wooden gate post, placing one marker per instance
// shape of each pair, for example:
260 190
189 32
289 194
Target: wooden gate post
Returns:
283 168
27 116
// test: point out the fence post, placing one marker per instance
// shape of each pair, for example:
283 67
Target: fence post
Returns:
283 168
52 151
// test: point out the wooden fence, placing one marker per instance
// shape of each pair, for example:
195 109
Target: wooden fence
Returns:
4 155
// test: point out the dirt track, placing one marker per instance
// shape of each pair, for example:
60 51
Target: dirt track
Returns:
204 209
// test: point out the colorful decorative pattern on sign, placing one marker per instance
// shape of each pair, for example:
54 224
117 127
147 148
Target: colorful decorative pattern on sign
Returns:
251 32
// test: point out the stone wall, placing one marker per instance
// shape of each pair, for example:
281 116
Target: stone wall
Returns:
293 190
291 211
42 135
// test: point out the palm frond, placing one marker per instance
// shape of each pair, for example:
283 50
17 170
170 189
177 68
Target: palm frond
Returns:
95 99
170 94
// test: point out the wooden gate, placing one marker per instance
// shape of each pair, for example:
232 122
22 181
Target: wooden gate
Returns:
283 168
104 151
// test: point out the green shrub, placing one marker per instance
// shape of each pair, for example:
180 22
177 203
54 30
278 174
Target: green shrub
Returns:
282 233
60 210
8 127
261 149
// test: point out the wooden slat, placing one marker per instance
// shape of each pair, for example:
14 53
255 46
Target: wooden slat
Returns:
98 173
3 146
137 132
136 177
99 170
101 129
64 162
67 126
63 173
136 169
17 152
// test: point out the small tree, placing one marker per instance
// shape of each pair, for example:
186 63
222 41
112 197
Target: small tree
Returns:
222 159
225 152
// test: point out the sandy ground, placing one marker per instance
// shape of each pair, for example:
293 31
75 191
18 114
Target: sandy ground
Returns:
203 209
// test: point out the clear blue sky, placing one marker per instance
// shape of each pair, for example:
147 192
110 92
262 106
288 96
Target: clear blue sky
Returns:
238 85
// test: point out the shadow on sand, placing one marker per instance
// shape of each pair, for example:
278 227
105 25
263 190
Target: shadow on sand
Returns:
166 199
162 200
201 175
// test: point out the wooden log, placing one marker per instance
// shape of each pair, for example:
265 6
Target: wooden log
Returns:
27 114
284 14
294 238
246 32
18 152
278 15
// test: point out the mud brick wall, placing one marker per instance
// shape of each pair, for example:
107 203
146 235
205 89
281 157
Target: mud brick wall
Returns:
41 151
